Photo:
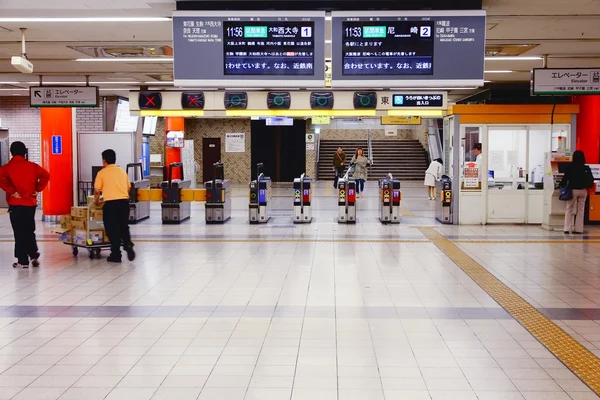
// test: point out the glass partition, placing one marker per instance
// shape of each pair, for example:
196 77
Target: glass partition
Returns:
507 158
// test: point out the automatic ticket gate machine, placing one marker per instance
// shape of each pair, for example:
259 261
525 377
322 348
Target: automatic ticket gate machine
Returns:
138 209
259 206
443 204
174 210
389 200
218 197
347 200
302 198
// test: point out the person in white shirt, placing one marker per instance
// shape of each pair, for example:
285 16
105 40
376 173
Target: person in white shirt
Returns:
433 173
478 158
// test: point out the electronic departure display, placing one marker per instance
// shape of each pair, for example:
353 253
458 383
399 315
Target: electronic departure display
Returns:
387 48
269 48
407 48
233 49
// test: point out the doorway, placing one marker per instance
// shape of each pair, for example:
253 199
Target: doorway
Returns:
282 149
211 153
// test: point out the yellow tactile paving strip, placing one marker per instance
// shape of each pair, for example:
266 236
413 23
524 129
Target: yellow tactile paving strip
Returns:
405 212
571 353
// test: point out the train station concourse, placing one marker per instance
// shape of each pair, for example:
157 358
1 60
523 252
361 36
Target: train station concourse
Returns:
299 200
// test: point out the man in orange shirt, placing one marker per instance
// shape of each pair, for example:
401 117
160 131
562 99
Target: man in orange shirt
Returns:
22 181
113 184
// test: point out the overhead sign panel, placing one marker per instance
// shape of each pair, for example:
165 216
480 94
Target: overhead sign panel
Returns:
418 100
408 49
63 96
561 81
252 49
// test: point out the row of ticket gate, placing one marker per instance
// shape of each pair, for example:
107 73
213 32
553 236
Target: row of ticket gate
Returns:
175 208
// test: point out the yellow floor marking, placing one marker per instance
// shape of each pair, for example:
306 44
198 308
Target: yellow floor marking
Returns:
405 212
570 352
525 241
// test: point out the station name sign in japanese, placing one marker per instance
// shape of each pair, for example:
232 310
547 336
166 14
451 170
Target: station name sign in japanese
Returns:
63 96
409 48
252 49
553 81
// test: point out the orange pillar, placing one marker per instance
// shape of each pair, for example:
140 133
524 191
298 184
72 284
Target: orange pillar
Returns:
173 155
57 159
588 126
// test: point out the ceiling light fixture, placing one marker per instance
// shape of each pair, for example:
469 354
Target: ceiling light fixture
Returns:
327 40
131 59
89 19
499 72
512 58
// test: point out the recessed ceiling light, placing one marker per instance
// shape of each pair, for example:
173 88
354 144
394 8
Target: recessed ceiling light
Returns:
89 19
131 59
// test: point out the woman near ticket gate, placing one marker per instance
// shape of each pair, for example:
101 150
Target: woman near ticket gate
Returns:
360 163
577 179
433 173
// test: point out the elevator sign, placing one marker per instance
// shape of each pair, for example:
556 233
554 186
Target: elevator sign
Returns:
555 81
63 96
57 145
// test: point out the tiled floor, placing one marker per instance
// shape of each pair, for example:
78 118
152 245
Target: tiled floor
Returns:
330 312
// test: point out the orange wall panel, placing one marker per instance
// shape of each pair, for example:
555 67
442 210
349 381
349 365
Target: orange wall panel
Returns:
58 196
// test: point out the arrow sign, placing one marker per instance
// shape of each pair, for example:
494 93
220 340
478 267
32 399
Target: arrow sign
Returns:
37 93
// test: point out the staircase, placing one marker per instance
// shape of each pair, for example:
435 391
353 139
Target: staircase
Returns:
405 159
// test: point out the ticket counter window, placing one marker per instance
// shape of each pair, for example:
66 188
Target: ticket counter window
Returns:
507 158
515 163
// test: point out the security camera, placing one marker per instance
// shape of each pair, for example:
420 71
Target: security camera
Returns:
22 64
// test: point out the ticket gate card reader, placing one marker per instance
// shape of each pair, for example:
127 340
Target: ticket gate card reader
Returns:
138 210
302 197
443 204
346 200
174 210
389 201
259 206
218 197
260 200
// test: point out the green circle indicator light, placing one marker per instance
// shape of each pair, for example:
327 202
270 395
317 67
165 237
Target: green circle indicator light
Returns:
236 100
365 100
278 100
322 101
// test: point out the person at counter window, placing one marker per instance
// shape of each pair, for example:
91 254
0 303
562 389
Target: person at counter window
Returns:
478 157
578 177
22 180
433 173
360 163
113 184
339 162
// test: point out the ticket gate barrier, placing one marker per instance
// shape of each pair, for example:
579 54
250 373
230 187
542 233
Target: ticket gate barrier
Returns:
218 197
346 200
389 200
302 198
174 210
443 204
138 209
259 206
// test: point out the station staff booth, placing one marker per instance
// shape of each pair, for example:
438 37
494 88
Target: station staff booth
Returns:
505 184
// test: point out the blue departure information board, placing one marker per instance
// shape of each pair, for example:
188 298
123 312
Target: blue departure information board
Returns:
249 49
394 49
387 48
269 48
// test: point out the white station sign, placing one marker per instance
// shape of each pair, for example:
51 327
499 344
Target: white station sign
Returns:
561 81
63 96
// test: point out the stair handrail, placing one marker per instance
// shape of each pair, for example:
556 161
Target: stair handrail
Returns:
317 137
370 146
434 149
